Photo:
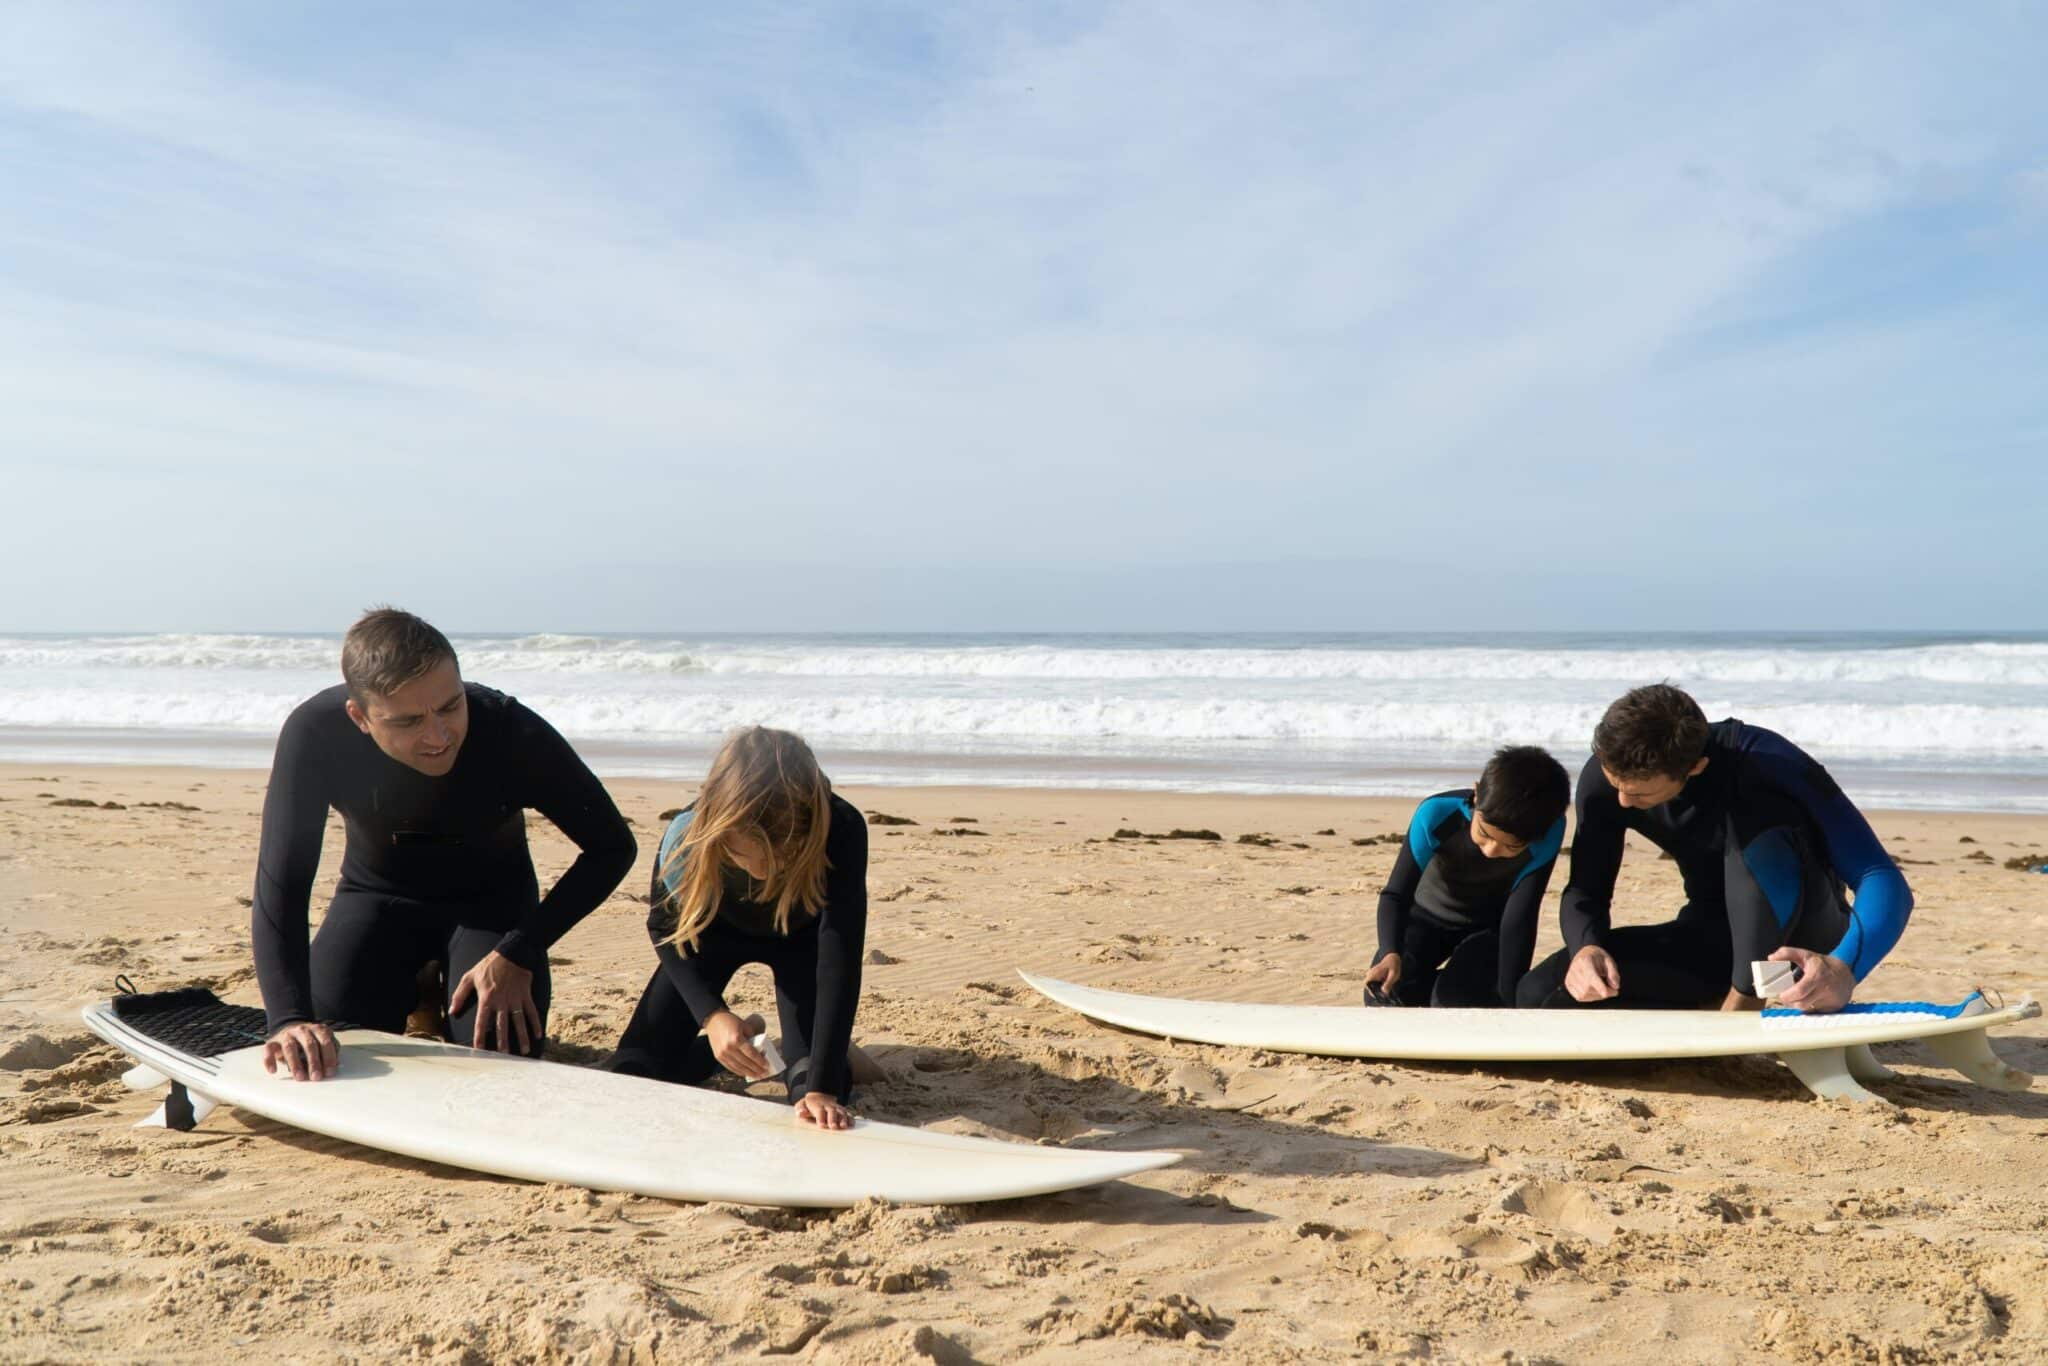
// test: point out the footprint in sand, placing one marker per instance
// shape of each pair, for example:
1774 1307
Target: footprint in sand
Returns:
1493 1248
1562 1207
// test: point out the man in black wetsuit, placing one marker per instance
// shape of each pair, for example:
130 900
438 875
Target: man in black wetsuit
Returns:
432 777
1768 847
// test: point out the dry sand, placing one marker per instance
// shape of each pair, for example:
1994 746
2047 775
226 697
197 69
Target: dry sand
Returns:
1326 1210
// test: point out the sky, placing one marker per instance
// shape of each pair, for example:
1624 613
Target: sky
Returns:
975 316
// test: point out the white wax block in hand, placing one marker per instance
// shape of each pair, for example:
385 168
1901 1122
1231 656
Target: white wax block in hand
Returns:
1771 978
767 1049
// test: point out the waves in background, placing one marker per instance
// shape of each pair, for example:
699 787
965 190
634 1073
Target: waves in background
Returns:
1903 720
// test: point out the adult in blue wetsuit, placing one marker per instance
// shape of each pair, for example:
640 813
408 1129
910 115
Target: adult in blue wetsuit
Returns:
1457 919
432 777
1777 864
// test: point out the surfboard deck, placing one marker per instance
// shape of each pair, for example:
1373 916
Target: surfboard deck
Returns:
1830 1053
543 1121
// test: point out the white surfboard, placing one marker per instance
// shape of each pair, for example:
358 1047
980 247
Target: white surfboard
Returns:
1830 1053
544 1121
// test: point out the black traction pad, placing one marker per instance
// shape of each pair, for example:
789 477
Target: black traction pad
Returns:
192 1020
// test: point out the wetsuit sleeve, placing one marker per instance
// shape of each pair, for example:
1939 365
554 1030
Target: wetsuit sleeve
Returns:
1519 917
1587 907
565 791
1425 835
842 939
1395 900
681 970
287 858
1883 901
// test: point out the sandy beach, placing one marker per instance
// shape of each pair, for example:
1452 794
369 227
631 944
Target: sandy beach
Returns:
1325 1210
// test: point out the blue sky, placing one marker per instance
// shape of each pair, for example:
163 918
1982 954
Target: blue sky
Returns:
999 317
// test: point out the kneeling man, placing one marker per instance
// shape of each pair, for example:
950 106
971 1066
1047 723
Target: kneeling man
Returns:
433 777
1768 847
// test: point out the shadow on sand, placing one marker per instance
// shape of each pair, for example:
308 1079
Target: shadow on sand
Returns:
1758 1076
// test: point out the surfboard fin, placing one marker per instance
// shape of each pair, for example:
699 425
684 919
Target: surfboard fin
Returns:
182 1110
1829 1074
1970 1054
1864 1066
143 1077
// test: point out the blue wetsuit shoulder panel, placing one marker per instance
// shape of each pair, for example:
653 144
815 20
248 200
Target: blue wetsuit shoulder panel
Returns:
1544 851
1426 827
1882 900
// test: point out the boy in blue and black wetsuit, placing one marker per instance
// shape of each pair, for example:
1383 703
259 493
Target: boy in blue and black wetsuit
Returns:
1457 920
1767 844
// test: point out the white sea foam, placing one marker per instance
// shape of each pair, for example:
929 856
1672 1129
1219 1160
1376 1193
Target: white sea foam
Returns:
1846 730
1962 664
1920 706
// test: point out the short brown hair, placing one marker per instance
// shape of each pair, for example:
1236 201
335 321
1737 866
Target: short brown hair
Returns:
1652 732
387 649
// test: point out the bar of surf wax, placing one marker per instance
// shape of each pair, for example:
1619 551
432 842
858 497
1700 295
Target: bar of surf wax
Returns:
1771 978
766 1047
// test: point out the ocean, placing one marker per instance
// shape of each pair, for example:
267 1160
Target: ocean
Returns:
1903 720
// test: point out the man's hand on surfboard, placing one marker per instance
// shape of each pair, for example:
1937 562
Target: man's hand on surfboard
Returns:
732 1047
307 1050
1825 982
1593 975
820 1111
505 1007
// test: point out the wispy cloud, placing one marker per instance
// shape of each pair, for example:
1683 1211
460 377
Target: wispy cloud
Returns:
1098 286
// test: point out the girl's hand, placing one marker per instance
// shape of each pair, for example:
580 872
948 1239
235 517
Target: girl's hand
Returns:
821 1111
730 1045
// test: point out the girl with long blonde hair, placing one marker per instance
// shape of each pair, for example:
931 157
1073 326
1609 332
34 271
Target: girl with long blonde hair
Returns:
766 866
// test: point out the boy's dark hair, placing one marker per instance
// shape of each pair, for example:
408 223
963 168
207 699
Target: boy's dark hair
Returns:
386 650
1523 791
1652 732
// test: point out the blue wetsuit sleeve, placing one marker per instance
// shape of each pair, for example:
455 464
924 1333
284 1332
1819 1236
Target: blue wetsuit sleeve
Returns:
1587 908
677 966
287 858
1518 917
1882 900
842 939
564 790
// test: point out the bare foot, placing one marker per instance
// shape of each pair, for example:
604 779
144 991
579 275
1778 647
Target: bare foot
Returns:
428 1019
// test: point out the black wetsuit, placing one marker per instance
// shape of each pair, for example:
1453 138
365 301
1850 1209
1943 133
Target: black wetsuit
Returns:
434 869
1766 843
816 967
1464 924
